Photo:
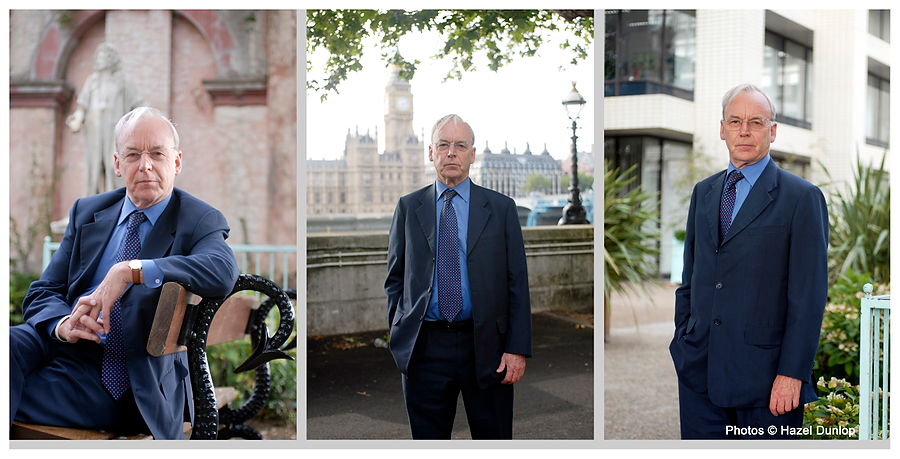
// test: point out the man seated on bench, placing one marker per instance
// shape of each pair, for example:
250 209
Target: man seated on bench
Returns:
61 372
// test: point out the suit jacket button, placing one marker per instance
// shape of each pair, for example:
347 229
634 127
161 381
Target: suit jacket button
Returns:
719 286
717 322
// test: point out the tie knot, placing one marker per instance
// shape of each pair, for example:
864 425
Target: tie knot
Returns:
136 219
449 193
734 177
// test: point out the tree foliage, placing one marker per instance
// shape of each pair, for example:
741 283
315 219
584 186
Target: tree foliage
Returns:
501 35
538 183
585 182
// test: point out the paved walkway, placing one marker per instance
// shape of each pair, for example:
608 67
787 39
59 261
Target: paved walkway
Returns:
353 392
640 386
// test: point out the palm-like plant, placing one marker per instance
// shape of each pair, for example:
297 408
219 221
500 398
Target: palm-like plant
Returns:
859 237
630 235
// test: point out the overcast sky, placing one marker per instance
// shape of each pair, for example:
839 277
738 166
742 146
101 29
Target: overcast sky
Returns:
519 104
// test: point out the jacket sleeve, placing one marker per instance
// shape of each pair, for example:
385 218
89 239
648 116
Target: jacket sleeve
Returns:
208 267
683 292
519 341
807 285
45 303
393 284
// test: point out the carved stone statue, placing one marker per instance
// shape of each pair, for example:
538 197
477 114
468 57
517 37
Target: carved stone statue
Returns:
107 95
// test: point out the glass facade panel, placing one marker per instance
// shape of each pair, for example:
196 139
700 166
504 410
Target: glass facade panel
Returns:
649 52
787 79
880 24
878 108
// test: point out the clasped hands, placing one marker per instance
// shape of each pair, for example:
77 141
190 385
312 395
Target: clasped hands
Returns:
84 323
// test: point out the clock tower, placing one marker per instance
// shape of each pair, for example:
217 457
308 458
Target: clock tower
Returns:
398 114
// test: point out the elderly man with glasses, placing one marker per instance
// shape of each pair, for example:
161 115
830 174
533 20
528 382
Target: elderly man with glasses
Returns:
80 359
458 304
748 313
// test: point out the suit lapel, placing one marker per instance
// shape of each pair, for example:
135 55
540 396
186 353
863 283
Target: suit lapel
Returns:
758 199
713 199
478 216
94 238
159 241
425 214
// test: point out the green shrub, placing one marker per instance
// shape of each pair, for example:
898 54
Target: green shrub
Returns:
282 404
835 415
860 233
18 288
630 234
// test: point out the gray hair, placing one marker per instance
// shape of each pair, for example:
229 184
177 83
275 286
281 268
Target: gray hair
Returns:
443 122
142 112
742 88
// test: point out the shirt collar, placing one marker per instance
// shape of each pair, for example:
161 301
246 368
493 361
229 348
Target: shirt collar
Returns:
464 189
753 171
153 212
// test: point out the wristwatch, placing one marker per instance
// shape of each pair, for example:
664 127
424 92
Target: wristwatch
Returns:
135 266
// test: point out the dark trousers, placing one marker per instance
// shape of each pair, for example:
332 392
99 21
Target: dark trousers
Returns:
58 384
701 419
443 365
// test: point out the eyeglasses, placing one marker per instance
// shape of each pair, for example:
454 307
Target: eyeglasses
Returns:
157 155
754 124
444 146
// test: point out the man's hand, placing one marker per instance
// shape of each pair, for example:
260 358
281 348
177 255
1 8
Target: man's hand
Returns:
785 395
514 364
71 331
83 321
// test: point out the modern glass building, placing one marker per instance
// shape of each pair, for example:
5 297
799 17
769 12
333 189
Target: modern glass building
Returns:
827 71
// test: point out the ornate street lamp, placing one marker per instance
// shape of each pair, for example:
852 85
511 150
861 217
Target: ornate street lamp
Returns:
573 212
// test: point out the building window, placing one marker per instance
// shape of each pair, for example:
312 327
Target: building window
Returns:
317 179
787 79
878 111
329 179
317 198
367 196
366 178
343 197
413 179
342 180
650 52
329 197
880 24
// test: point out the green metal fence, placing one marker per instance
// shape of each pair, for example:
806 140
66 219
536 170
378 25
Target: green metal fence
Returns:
875 369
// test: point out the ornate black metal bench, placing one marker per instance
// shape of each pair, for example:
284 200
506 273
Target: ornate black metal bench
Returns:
181 325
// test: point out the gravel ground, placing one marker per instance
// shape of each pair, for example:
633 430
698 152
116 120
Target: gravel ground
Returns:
640 385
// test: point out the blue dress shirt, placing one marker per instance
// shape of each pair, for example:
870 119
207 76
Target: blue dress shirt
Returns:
743 186
461 206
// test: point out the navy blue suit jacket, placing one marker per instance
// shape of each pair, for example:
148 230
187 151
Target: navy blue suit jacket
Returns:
498 278
751 308
188 245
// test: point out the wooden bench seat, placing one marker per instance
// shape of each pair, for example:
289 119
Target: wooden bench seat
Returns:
185 322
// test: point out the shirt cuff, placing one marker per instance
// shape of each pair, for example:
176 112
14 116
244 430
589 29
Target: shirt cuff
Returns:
55 333
153 276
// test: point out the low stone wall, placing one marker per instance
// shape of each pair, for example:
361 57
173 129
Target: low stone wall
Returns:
346 272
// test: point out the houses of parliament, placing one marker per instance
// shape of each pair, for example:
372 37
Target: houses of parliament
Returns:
360 190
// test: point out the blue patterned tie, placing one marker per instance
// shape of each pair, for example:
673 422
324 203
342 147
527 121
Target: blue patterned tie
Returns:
727 206
114 374
449 283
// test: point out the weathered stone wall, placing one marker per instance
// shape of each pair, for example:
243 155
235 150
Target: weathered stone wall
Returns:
345 276
226 78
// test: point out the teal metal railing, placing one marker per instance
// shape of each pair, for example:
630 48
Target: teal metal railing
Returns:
270 261
875 369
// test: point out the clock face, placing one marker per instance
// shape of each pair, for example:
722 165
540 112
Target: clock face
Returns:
402 104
